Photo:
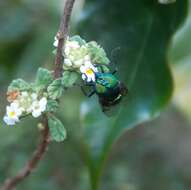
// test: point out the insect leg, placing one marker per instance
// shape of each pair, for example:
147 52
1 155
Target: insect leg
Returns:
89 83
102 70
83 90
91 93
86 93
115 71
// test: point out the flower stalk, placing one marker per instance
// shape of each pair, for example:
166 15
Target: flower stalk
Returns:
10 183
62 36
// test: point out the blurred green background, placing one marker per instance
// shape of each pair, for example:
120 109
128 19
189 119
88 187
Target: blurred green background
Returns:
154 61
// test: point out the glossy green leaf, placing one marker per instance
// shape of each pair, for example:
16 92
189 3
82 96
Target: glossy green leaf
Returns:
55 89
57 129
142 29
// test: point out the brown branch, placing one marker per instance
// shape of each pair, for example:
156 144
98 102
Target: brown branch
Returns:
62 34
33 162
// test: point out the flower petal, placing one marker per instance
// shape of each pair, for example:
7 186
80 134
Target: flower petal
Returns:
84 77
67 51
73 44
8 120
78 63
87 58
88 64
42 104
67 62
36 113
89 79
83 69
55 44
14 106
34 96
19 112
24 93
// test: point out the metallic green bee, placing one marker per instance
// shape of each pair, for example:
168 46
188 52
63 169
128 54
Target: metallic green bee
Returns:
108 88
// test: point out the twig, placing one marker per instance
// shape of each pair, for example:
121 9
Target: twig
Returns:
33 162
62 34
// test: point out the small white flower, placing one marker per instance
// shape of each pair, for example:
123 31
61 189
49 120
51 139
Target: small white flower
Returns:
72 44
34 96
67 51
9 121
71 58
88 71
28 101
14 110
69 45
78 63
24 93
87 58
55 44
67 62
38 107
12 114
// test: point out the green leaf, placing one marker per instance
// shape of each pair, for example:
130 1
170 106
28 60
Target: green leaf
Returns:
43 79
57 129
18 84
97 53
55 89
69 78
78 39
143 30
52 106
103 68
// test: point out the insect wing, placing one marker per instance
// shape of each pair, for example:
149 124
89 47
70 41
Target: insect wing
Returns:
111 108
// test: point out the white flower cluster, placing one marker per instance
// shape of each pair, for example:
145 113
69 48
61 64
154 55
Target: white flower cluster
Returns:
77 58
24 104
